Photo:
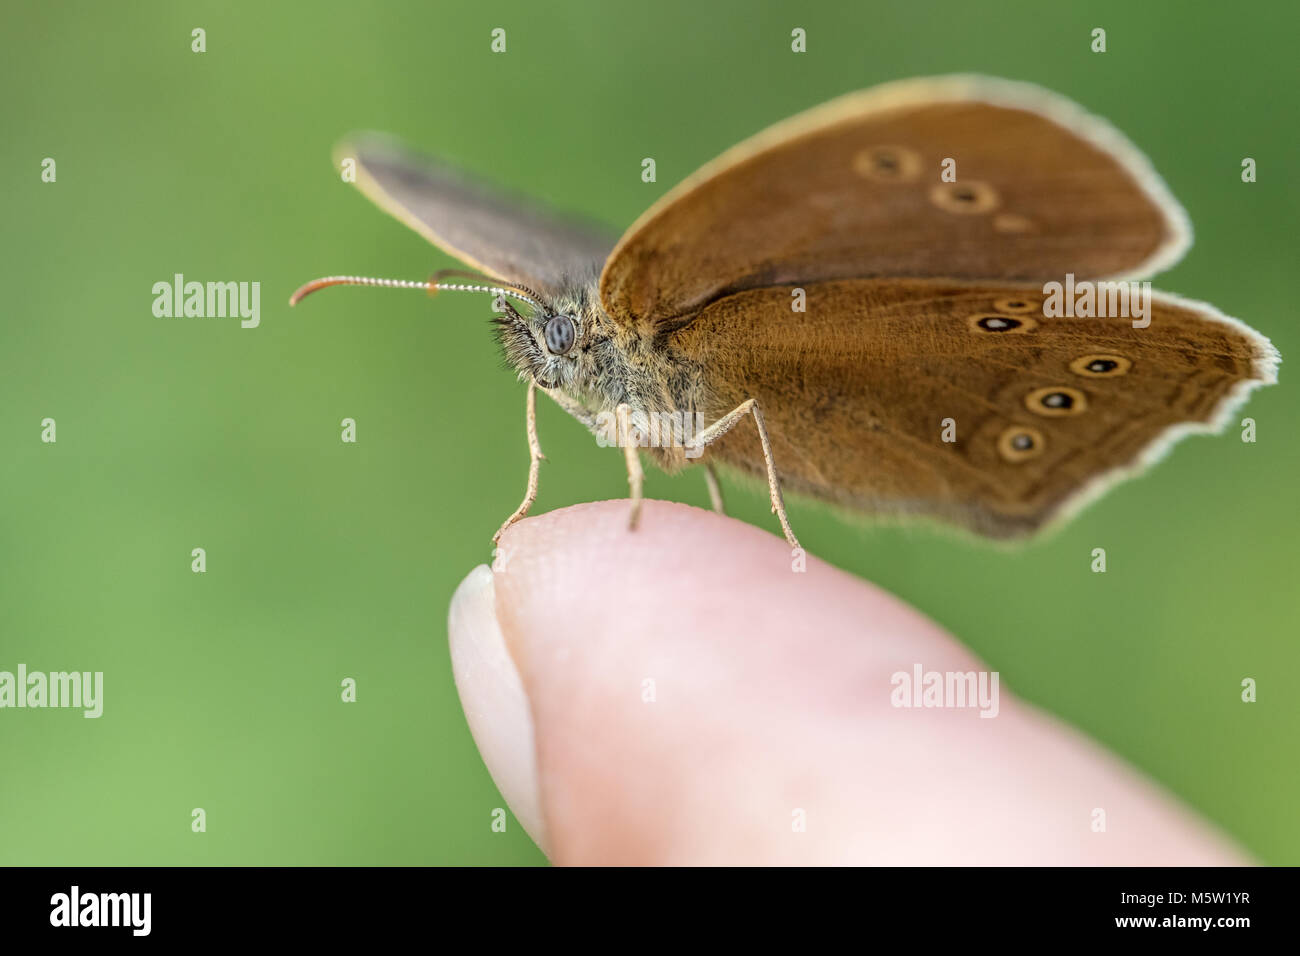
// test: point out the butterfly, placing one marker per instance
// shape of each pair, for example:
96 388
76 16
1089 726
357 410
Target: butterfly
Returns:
862 304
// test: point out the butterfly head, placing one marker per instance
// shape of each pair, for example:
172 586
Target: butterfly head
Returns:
551 342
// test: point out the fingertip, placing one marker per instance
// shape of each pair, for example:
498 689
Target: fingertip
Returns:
696 691
492 695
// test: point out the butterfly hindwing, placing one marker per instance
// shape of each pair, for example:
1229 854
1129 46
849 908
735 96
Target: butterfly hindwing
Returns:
861 391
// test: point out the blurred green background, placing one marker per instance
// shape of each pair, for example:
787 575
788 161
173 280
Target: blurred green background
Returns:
328 560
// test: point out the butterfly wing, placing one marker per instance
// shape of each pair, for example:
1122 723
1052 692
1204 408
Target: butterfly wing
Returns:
859 391
853 188
491 230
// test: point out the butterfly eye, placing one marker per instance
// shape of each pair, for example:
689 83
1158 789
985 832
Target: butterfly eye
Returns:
989 322
1020 443
1100 366
560 334
1056 401
964 197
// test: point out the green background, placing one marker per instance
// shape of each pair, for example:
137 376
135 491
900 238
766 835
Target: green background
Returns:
328 560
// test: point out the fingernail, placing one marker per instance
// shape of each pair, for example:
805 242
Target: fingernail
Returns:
493 697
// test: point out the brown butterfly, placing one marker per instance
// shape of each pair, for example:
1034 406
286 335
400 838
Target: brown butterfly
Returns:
871 284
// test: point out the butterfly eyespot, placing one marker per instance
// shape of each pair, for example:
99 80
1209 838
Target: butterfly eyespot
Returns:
887 164
966 197
1020 443
1100 366
1010 222
1015 305
560 334
1056 401
990 322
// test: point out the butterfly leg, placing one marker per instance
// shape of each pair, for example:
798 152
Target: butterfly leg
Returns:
535 459
575 409
715 489
635 476
725 424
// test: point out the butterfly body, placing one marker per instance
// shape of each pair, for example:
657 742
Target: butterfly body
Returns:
868 283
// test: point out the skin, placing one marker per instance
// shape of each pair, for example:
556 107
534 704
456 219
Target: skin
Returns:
771 695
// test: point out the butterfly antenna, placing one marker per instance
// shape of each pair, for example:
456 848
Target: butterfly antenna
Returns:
490 280
431 286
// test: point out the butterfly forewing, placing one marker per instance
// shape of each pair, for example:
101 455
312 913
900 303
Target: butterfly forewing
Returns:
856 189
487 228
